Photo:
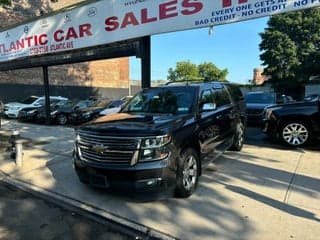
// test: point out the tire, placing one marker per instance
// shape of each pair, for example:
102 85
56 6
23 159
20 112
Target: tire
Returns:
187 173
62 119
238 139
295 133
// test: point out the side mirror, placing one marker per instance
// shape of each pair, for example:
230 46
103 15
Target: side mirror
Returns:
208 107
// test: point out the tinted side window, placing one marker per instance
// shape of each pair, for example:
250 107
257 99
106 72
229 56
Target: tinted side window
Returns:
207 96
235 92
222 97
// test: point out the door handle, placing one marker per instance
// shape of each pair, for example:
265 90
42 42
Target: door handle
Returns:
219 117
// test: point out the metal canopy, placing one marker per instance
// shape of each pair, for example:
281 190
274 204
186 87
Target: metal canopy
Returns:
120 49
139 47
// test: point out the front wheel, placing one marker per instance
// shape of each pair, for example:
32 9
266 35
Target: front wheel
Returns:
295 133
187 173
62 119
238 139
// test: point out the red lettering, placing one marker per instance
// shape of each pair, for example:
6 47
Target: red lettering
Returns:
20 44
71 33
12 46
129 18
35 40
112 24
85 29
228 3
194 7
57 36
144 16
43 39
28 39
166 8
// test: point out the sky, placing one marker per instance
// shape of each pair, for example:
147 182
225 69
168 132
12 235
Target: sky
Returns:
233 46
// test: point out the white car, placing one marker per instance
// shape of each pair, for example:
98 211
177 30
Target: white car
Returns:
11 110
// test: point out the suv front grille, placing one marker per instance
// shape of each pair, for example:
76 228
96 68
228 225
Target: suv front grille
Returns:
106 149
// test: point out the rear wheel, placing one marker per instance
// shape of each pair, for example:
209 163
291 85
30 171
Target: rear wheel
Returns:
62 119
187 173
238 139
295 133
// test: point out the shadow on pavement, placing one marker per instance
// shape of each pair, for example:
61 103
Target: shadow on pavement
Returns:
206 215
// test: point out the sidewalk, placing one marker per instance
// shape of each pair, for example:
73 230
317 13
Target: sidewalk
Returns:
259 193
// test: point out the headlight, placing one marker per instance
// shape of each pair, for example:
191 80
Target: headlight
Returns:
53 113
153 149
32 111
155 142
87 114
269 113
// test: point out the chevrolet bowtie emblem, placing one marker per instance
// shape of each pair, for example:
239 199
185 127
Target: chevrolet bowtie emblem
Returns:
99 148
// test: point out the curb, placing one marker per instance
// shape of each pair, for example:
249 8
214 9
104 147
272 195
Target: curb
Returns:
127 226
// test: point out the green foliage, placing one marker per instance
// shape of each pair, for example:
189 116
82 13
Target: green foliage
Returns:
291 45
5 2
185 70
209 71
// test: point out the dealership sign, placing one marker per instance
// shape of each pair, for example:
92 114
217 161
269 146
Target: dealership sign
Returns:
109 21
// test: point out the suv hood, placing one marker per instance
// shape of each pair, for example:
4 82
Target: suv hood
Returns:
294 104
124 124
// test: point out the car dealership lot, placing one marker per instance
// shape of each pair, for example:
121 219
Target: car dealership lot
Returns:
266 191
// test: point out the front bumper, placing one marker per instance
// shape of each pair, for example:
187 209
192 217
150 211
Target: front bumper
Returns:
11 114
157 176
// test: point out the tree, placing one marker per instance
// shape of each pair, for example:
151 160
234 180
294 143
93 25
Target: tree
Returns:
209 71
185 70
290 47
5 2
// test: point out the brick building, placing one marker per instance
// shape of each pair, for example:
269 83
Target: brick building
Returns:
108 78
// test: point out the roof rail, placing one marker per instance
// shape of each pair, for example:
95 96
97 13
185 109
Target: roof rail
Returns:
216 84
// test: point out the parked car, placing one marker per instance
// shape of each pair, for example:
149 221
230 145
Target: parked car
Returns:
11 110
258 101
296 123
112 107
162 138
79 114
39 113
68 112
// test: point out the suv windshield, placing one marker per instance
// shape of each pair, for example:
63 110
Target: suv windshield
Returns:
29 100
171 100
260 98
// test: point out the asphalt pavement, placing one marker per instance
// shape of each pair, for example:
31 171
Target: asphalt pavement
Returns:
24 216
266 191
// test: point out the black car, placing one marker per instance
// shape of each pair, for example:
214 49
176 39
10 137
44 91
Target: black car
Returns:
78 114
294 123
69 113
162 138
258 101
38 113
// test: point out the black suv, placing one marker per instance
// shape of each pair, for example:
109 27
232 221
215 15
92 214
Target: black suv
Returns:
294 123
162 138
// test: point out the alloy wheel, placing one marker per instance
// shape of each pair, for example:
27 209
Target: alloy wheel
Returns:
295 134
190 172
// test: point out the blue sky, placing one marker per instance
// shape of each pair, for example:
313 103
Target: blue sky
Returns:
233 46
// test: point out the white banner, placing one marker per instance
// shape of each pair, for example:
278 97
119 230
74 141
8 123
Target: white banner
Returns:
110 21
